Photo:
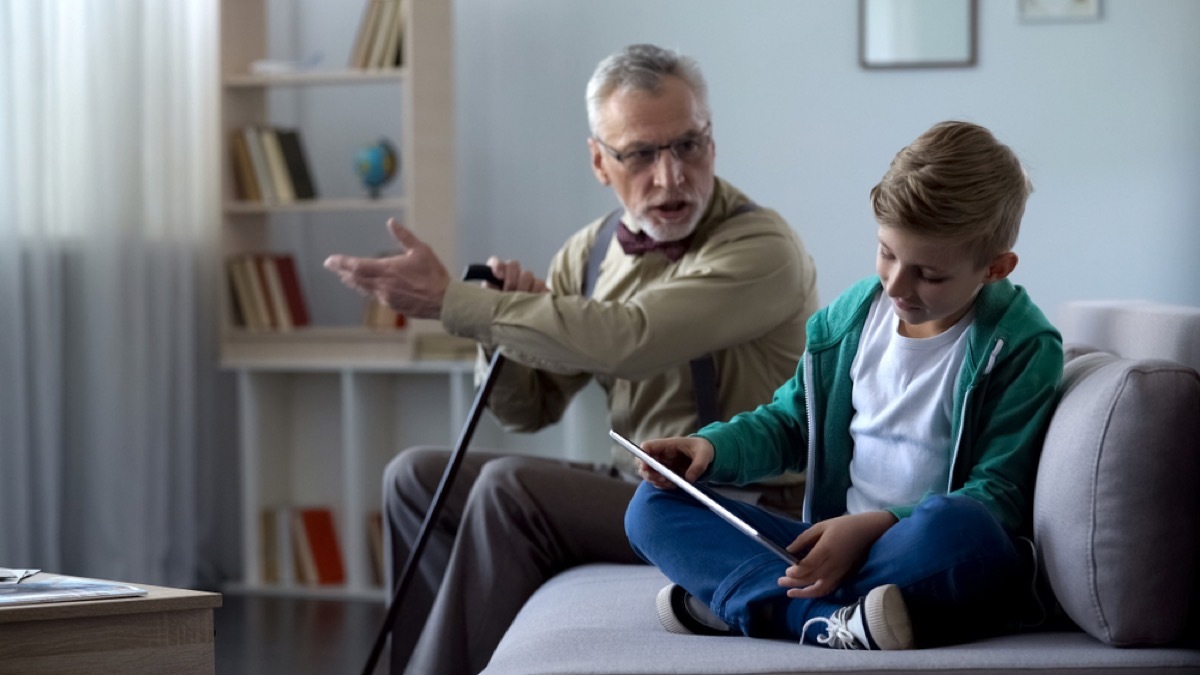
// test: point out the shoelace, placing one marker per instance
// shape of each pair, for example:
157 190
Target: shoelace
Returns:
837 630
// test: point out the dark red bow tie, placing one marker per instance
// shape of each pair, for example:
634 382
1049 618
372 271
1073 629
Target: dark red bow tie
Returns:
637 243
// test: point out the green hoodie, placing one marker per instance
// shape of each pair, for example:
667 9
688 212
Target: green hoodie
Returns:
1003 400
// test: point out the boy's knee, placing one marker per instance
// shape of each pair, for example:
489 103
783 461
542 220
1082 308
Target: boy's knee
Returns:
958 513
648 511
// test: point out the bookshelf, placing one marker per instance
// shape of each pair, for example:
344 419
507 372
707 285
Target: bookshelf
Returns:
323 407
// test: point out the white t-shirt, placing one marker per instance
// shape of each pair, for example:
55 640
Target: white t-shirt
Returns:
903 399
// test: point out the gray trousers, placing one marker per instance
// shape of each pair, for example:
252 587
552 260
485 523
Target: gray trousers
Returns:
509 524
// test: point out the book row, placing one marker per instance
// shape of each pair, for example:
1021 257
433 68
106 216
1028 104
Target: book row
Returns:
266 292
267 296
379 42
270 165
301 546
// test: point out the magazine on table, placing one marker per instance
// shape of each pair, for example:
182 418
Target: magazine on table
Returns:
23 589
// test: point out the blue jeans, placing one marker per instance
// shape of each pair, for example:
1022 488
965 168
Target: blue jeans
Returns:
955 565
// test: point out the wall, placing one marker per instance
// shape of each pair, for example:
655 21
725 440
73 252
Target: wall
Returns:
1106 116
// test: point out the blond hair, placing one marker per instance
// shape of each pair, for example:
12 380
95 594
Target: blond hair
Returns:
958 183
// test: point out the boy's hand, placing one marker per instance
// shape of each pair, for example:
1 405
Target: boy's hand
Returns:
836 547
688 457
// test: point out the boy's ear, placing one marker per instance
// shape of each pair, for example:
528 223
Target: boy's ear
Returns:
1000 267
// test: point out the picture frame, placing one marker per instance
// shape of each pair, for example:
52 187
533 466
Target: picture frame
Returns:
917 33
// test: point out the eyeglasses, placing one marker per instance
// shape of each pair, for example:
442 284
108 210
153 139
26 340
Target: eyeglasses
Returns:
640 157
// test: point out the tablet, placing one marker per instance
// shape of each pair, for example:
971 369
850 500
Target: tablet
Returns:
703 498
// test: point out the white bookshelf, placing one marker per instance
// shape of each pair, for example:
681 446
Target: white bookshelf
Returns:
322 409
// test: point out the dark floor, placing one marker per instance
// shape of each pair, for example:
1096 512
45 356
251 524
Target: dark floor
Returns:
264 635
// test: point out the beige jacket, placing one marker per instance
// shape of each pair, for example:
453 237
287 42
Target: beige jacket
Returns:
743 292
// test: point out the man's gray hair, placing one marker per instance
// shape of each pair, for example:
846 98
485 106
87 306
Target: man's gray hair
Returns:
641 68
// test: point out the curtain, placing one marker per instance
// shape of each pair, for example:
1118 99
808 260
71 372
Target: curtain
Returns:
111 411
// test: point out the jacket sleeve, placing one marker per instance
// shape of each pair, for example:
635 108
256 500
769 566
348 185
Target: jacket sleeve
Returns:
764 442
733 290
525 399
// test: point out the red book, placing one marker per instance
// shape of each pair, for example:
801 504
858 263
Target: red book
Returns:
291 289
322 542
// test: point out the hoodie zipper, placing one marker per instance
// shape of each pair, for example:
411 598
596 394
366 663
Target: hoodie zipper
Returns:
962 419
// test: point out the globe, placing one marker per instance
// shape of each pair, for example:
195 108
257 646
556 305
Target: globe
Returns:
375 165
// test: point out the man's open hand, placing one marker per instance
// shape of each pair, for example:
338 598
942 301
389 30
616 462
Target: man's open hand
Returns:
412 283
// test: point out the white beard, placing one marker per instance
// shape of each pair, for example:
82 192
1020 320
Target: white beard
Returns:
665 233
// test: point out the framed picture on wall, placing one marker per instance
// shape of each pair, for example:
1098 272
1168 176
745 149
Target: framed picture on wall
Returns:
916 33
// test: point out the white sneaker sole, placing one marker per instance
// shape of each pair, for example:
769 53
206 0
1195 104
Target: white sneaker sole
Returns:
887 618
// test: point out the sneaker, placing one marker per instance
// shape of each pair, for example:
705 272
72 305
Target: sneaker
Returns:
877 621
681 613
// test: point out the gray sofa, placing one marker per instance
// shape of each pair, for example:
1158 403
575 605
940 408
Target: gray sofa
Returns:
1116 520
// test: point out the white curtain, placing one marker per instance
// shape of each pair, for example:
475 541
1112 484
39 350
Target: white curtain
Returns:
109 393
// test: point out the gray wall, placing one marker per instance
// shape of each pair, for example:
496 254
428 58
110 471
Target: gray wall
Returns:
1106 116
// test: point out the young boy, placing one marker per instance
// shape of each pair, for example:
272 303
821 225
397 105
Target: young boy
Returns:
918 410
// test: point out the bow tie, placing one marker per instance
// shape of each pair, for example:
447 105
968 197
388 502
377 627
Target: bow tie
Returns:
637 243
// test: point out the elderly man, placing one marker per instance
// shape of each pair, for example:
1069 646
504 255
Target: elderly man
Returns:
687 305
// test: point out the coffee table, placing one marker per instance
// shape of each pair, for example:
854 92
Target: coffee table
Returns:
168 630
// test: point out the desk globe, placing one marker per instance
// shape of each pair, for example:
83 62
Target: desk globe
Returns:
376 165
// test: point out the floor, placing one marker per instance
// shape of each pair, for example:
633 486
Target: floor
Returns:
262 635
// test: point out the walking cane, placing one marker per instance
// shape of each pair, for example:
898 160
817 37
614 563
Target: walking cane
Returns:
475 272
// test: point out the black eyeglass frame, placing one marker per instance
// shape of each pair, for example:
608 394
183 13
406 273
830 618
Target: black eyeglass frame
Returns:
702 138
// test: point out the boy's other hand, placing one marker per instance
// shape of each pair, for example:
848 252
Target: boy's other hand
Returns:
686 456
835 548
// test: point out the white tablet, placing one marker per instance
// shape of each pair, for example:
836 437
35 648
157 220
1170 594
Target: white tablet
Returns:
704 499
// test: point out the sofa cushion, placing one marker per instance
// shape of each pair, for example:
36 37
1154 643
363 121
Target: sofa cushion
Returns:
600 619
1116 507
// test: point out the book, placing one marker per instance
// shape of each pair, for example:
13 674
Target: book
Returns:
258 161
243 170
268 547
305 563
262 291
277 558
284 545
379 316
375 546
383 27
280 310
238 304
297 163
393 50
321 554
58 588
290 279
366 31
245 282
284 193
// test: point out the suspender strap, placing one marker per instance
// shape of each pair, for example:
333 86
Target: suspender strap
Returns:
598 250
704 368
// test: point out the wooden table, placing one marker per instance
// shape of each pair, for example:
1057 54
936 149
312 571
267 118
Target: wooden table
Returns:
168 630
